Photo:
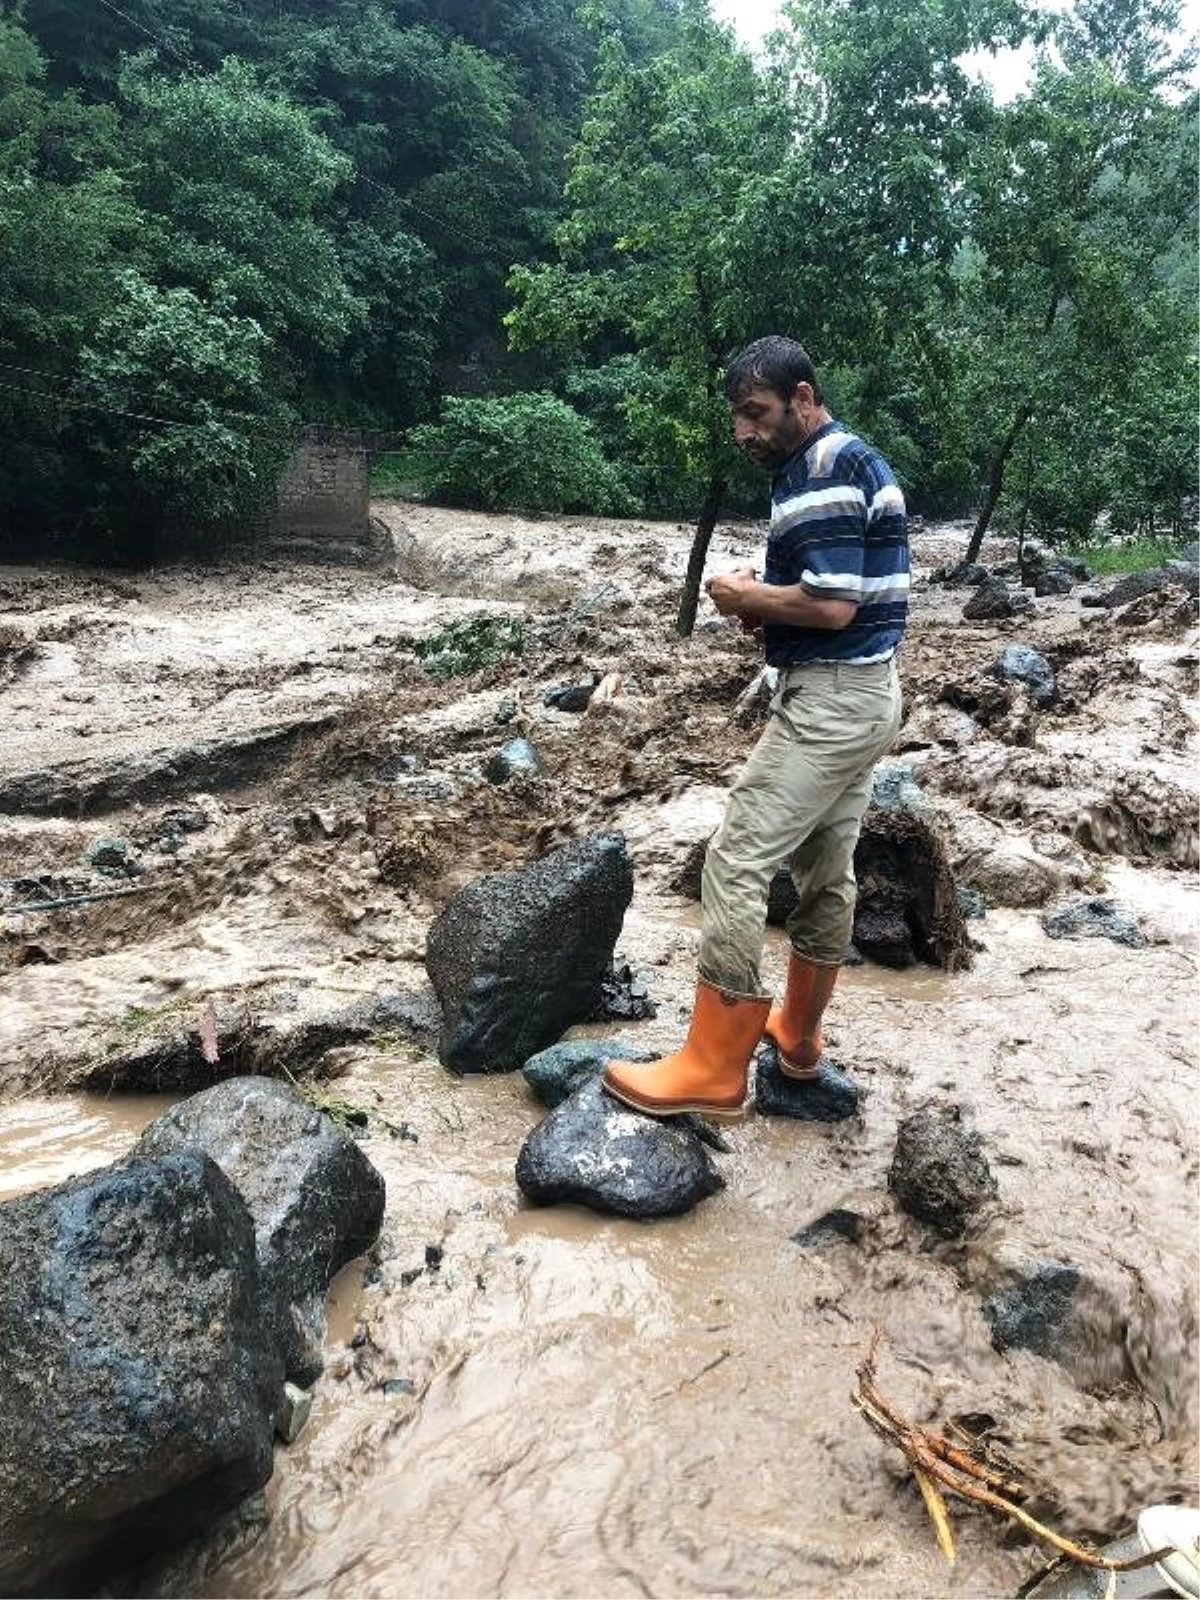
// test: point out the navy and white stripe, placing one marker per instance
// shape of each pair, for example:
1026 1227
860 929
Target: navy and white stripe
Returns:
839 530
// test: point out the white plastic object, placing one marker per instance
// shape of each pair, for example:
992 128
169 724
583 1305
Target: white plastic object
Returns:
1176 1528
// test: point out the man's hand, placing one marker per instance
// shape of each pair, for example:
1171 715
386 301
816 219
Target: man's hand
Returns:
730 591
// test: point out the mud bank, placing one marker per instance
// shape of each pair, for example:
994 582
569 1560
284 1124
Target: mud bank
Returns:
548 1402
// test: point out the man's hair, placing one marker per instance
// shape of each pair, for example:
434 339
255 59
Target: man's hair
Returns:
771 363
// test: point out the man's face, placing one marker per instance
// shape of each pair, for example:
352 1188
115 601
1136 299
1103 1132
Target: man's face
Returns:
769 428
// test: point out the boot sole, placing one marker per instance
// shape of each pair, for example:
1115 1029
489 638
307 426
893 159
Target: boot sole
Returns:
695 1107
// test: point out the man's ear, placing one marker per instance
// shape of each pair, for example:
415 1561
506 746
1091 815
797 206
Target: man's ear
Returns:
802 397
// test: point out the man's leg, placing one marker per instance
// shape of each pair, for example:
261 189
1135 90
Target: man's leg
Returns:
825 727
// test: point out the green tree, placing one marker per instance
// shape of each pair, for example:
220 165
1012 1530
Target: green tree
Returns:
656 187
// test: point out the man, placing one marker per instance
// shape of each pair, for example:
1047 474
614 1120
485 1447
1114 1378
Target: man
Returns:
832 604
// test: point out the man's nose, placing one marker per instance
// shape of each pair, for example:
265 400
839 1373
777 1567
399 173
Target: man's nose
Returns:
742 430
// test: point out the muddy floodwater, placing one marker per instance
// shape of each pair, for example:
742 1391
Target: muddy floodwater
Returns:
546 1402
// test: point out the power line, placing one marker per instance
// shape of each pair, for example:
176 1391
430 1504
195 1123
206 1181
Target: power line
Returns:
149 32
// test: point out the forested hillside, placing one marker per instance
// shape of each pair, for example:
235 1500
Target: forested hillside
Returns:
532 232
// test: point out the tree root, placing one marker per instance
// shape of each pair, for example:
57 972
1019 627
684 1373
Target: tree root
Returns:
939 1465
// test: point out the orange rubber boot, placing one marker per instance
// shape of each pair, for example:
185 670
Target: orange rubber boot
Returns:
709 1075
795 1026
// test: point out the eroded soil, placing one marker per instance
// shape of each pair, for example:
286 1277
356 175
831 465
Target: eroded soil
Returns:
559 1403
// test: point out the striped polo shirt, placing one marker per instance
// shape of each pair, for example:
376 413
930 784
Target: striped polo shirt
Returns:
839 529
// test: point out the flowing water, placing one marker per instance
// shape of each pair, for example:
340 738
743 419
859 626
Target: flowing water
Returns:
525 1402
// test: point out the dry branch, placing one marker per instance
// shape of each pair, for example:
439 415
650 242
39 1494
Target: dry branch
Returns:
938 1466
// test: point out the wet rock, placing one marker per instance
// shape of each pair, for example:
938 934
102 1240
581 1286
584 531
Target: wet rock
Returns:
315 1199
138 1374
907 909
517 957
571 696
939 1173
839 1225
830 1097
971 903
893 786
1033 1311
1008 875
1046 574
1136 584
518 755
117 858
412 1012
593 1151
1052 580
993 601
556 1073
1021 664
624 997
964 575
1095 917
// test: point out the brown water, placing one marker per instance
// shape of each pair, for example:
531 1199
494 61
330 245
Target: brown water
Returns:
575 1405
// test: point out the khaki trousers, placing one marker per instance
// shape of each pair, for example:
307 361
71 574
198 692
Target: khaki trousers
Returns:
800 798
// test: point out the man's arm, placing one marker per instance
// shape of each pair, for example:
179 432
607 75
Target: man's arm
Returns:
739 594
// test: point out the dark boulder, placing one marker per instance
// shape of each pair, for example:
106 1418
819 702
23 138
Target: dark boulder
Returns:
1018 663
139 1375
907 909
829 1097
963 575
1095 917
993 601
593 1151
518 957
939 1173
1133 585
555 1074
315 1199
624 997
517 756
571 696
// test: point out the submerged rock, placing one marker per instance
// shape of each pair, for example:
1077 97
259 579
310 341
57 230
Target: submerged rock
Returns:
517 957
1009 874
315 1199
139 1373
993 600
907 909
839 1225
1095 917
939 1173
830 1097
556 1073
1024 665
593 1151
1033 1310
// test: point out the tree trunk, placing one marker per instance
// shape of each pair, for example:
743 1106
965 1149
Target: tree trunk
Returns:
995 483
705 523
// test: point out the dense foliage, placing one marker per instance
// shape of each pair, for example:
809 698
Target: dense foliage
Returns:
529 234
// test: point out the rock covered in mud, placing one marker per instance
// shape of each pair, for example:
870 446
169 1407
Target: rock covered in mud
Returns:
993 601
624 997
894 787
139 1374
593 1151
517 957
315 1199
555 1074
939 1173
829 1097
1022 664
1095 917
907 909
963 575
174 1050
1009 874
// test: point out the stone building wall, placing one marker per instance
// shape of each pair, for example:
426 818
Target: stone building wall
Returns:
322 509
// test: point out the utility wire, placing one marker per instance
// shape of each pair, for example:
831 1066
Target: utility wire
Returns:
149 32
